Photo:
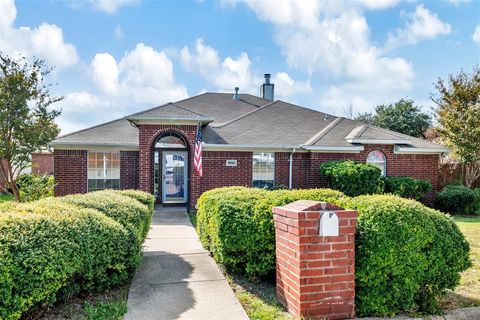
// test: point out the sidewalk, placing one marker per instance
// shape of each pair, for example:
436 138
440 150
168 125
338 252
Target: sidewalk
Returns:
178 279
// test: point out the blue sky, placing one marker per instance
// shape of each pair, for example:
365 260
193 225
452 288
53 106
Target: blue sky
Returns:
113 58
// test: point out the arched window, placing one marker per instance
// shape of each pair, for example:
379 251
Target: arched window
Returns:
171 140
378 159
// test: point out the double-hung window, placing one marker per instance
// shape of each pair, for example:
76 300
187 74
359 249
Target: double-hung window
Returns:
103 170
263 170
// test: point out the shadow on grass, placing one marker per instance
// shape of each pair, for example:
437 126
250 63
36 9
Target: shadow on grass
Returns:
452 300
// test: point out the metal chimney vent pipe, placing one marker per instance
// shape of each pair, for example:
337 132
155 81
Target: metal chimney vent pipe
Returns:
267 88
236 96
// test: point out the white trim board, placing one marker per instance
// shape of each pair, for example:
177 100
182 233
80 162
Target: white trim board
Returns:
410 150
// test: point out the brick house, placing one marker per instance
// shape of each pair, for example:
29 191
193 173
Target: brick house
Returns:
247 141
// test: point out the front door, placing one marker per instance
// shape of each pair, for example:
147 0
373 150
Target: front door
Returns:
174 176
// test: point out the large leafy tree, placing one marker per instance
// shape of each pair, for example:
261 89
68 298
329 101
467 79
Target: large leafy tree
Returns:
402 116
26 123
458 119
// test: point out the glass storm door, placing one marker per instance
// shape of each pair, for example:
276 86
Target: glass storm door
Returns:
174 176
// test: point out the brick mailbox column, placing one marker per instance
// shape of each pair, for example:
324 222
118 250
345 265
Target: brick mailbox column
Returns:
315 272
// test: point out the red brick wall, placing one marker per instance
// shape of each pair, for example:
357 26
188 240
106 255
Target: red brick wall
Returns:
42 163
417 166
299 169
72 164
128 169
70 169
148 134
217 174
315 274
315 179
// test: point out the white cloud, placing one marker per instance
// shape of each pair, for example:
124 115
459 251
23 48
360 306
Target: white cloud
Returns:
476 34
224 75
44 41
118 32
330 40
111 6
143 75
420 25
378 4
81 109
204 59
105 73
285 86
231 72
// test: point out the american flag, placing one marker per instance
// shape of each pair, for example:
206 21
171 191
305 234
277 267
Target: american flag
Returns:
197 161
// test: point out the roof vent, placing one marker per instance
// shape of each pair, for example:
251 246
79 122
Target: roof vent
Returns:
266 89
236 96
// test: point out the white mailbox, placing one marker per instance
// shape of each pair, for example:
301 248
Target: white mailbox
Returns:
328 224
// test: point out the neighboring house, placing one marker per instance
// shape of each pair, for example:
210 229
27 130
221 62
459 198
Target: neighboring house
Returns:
42 162
247 141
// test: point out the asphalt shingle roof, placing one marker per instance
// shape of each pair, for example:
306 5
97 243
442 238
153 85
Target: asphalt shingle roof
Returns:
249 120
120 131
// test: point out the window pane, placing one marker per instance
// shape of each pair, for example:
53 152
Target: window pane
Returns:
378 159
103 170
263 170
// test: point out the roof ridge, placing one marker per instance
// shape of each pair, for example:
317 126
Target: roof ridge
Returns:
314 139
220 125
188 109
356 131
167 103
92 127
395 133
150 109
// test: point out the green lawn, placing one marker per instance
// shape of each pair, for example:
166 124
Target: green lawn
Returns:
467 294
258 299
5 197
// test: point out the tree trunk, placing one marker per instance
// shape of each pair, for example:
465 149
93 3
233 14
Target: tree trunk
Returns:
6 172
472 173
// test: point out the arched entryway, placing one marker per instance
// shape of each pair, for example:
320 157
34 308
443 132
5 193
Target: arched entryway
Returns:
170 169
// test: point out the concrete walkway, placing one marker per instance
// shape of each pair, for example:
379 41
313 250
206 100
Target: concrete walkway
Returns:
178 279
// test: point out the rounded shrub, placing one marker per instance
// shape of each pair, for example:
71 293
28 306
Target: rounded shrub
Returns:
407 187
142 197
457 199
53 248
130 213
56 247
34 186
406 255
236 224
352 178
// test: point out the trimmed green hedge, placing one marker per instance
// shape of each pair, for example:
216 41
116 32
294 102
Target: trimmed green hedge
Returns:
457 199
53 248
407 254
352 178
235 224
407 187
34 186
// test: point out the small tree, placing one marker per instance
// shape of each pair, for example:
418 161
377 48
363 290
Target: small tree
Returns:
458 117
26 124
402 116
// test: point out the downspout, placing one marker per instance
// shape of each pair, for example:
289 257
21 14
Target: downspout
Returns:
290 177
